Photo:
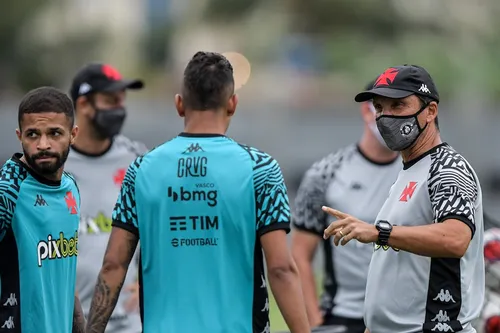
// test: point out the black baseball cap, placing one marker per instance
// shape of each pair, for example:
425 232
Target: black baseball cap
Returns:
370 84
98 77
401 82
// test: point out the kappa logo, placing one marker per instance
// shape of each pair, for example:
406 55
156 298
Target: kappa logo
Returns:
266 306
423 88
442 327
387 77
444 296
264 284
11 301
408 192
9 323
193 148
442 316
40 201
267 329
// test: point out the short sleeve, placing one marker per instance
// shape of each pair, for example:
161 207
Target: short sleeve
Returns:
8 199
308 215
125 212
453 192
273 209
11 178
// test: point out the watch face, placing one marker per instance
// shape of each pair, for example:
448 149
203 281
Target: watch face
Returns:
384 225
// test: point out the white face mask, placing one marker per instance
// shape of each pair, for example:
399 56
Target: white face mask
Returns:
373 127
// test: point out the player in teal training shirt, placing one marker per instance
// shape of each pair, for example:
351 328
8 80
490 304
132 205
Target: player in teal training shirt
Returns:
39 215
204 208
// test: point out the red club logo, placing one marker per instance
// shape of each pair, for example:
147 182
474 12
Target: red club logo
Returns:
492 251
387 77
408 191
71 203
119 176
111 73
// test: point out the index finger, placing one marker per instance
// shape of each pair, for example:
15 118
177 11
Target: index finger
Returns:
337 213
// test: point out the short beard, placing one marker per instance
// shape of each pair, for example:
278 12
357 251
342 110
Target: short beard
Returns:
46 169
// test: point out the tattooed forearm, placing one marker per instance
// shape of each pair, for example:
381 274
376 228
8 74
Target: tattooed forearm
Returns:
103 304
120 250
78 318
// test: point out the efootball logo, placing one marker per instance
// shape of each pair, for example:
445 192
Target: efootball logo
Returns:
193 148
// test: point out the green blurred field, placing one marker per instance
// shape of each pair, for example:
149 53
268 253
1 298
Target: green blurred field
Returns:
277 322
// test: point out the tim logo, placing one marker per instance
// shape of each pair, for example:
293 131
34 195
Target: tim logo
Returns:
210 197
57 248
71 203
181 223
193 148
408 192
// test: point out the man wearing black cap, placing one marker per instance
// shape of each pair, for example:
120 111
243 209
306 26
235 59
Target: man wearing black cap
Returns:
427 269
98 161
350 180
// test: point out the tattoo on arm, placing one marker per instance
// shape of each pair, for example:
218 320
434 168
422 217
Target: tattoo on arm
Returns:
103 303
78 318
119 253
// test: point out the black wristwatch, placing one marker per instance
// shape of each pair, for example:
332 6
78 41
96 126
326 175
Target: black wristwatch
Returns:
384 232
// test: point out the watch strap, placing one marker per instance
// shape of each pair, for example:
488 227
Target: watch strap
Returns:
383 237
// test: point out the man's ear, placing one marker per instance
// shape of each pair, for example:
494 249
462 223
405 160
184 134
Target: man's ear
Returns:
83 105
231 105
432 112
19 134
74 134
179 105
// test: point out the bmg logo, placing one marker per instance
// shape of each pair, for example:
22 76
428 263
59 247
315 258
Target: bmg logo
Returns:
210 197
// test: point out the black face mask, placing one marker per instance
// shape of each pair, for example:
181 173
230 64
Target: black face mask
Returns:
400 132
109 122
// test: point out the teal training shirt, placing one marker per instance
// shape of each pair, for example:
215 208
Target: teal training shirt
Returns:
38 249
200 204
